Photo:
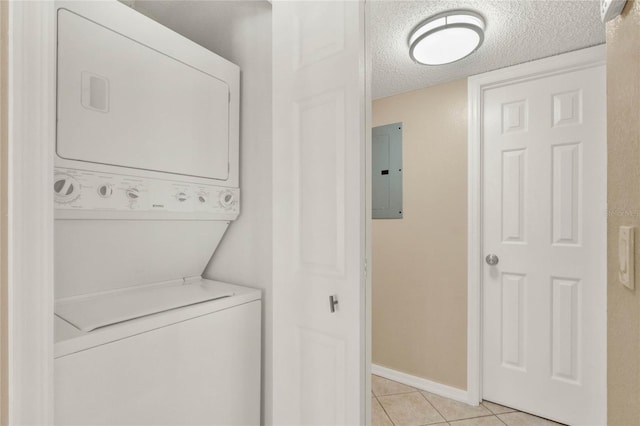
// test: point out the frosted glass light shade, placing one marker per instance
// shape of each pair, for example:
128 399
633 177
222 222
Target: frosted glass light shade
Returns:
446 37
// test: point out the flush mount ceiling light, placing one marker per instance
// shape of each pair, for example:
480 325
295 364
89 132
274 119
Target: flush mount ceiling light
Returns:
446 37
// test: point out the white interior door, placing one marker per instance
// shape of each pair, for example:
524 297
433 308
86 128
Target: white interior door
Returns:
319 213
544 302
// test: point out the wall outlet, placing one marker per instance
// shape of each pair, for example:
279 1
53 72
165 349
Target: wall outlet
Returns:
609 9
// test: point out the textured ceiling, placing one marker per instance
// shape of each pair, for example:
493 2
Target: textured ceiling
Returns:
517 31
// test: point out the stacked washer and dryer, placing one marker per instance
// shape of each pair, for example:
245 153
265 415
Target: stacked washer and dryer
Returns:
146 184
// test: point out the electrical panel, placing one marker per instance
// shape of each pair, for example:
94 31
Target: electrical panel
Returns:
386 167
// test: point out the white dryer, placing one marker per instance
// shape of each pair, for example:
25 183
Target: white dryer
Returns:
146 184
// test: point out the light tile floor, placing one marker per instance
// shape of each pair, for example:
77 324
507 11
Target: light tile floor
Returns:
395 404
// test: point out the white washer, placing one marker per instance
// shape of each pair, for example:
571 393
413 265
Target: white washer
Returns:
194 365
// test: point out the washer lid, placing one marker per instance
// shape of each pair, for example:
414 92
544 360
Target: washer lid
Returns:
89 313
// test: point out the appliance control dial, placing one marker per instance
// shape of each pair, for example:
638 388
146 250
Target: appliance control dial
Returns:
105 190
182 196
202 197
65 188
133 193
226 199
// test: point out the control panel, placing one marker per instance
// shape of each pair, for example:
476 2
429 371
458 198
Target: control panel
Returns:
80 190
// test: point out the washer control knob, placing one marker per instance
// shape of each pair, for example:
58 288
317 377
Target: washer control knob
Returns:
226 199
133 194
202 198
66 188
182 197
105 190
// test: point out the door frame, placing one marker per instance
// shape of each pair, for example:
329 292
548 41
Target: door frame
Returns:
29 239
477 86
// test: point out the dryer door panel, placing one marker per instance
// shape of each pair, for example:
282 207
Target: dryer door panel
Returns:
122 103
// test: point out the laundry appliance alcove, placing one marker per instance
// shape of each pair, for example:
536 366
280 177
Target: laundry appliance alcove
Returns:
146 184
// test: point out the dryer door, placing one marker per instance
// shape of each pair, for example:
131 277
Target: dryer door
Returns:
124 104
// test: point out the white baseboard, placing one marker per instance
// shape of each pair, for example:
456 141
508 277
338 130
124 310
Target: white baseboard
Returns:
420 383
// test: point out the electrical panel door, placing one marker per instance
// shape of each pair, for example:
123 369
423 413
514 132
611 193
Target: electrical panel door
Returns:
387 171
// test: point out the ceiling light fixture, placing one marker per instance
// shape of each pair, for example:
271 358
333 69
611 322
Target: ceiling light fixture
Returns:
446 37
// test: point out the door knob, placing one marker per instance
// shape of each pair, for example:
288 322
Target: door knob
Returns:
492 259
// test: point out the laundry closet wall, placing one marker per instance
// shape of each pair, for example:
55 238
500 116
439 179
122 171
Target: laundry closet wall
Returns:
420 261
239 31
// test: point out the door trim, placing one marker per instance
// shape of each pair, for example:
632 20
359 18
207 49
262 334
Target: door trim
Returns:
477 85
31 124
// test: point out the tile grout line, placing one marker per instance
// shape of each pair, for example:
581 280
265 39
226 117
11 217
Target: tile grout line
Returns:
399 393
503 422
513 410
476 417
383 409
434 407
491 413
496 414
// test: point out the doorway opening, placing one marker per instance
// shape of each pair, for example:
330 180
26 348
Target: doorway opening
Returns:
425 332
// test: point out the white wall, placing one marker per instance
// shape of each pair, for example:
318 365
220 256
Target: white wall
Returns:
239 31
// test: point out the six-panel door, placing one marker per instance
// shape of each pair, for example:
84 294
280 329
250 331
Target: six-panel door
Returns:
544 188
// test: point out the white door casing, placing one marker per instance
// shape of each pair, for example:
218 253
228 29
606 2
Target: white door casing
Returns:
319 139
544 197
31 132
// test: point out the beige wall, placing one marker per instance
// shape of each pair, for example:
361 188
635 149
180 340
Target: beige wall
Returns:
623 128
420 261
